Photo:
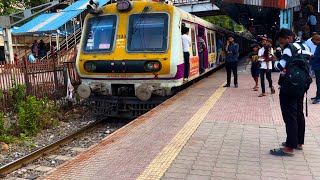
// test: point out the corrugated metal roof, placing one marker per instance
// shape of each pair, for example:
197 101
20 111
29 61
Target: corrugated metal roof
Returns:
33 23
52 21
61 19
281 4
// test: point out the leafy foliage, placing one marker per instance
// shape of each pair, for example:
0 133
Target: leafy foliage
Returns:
34 115
4 136
28 115
225 22
1 95
18 93
10 6
2 129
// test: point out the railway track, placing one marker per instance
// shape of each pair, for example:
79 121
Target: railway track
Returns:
27 163
29 166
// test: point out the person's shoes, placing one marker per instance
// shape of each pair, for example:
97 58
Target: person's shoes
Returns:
299 146
273 90
185 79
236 85
316 101
227 85
262 95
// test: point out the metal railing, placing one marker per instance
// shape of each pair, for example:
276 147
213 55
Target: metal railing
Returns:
69 43
177 2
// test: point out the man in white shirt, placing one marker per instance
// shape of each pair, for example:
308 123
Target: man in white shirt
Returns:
186 44
310 44
31 58
312 47
266 67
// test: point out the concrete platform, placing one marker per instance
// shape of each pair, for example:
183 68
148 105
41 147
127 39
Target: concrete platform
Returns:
204 132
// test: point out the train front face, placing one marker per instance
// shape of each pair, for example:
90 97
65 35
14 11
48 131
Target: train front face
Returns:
125 51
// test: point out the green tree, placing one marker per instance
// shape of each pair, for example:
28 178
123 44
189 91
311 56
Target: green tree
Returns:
10 6
225 22
7 7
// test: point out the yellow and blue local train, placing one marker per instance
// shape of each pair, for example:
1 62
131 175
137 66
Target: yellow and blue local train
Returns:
131 58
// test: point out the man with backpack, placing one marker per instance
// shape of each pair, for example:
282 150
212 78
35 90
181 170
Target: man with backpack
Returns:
294 82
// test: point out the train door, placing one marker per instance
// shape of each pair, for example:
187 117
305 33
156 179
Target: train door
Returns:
194 58
202 30
223 52
211 48
219 47
214 48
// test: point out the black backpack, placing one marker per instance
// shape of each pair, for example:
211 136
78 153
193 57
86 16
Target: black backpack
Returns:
297 79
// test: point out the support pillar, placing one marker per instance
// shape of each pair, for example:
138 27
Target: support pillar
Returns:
8 45
7 38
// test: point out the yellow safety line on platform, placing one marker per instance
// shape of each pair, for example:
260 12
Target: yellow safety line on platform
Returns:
161 163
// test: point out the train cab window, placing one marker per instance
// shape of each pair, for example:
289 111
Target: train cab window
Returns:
193 40
100 34
148 32
209 42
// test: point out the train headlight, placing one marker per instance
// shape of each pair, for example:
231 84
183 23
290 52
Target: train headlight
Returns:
124 5
152 66
90 66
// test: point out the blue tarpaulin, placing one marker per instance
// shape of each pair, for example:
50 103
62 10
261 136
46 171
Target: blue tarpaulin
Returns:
50 22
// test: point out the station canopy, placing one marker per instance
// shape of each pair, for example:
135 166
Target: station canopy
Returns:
50 22
281 4
258 16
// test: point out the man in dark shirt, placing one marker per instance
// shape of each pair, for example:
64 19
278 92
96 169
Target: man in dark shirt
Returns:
315 63
232 50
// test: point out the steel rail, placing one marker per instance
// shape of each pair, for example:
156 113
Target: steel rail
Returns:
45 150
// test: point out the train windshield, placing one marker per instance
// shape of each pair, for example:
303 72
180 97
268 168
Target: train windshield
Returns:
148 32
100 34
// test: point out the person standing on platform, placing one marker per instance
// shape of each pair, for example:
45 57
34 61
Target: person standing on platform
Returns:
34 48
186 44
291 105
16 59
232 50
312 47
202 47
265 57
310 44
315 63
42 49
253 57
312 22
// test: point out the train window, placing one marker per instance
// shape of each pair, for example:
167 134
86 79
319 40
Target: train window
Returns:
193 40
209 42
100 34
148 32
212 43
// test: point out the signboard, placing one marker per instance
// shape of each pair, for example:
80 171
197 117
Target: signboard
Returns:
194 66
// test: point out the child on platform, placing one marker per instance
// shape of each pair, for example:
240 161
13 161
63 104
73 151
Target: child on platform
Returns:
255 65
